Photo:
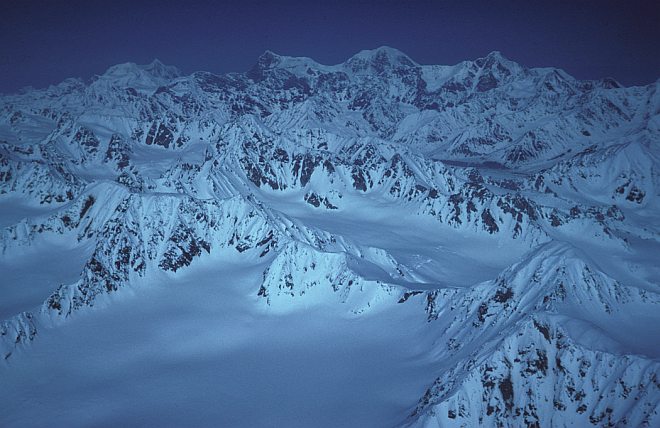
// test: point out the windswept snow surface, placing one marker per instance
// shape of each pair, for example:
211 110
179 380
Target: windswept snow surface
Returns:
372 243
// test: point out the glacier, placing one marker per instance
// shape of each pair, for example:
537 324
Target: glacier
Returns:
372 243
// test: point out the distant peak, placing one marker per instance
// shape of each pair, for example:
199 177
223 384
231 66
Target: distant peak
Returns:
269 54
155 69
497 55
381 52
497 63
158 69
123 68
368 60
493 58
271 61
268 59
610 83
133 75
379 59
155 63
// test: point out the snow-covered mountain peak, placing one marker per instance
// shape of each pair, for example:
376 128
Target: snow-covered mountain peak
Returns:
382 51
498 66
366 61
493 58
378 60
268 59
609 83
155 69
148 76
158 69
271 63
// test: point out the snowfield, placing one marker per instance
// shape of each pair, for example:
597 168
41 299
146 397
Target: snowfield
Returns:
196 349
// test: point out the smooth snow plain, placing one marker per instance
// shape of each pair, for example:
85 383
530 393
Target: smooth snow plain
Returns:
198 348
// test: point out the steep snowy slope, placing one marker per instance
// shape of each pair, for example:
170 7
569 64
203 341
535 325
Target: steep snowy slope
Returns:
495 226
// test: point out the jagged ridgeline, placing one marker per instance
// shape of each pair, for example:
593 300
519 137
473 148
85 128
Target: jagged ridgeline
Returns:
516 209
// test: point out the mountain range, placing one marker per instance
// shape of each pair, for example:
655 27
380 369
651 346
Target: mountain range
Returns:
373 243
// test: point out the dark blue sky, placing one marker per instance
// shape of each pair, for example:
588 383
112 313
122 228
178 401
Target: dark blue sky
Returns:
43 42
